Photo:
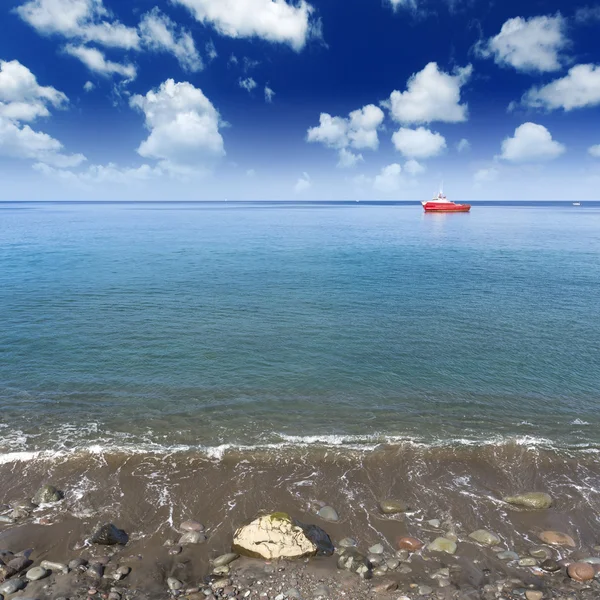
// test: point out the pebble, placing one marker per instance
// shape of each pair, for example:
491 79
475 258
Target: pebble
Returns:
293 593
225 559
327 513
434 523
222 570
540 552
409 543
528 562
534 595
174 584
6 519
95 570
192 537
537 500
424 590
174 550
36 573
321 591
375 559
109 535
392 507
376 549
114 596
47 494
508 555
442 544
54 566
388 585
485 537
11 586
121 573
380 571
392 563
592 560
347 543
191 525
556 538
581 571
76 563
550 565
402 555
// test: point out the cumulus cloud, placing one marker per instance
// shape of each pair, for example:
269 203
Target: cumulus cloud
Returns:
464 145
486 175
159 33
534 44
211 51
86 20
531 143
413 167
272 20
579 88
348 159
431 95
594 151
389 179
88 86
269 94
304 183
95 61
101 174
418 143
247 84
184 128
21 97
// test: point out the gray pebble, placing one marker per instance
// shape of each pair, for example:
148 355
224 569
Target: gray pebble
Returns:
508 555
402 555
192 537
376 549
434 523
36 573
321 591
327 513
424 590
173 550
392 563
174 584
347 543
11 586
222 570
528 562
77 562
293 593
54 566
225 559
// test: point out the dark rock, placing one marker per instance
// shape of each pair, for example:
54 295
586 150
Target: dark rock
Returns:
76 563
12 586
109 535
19 563
550 565
95 570
318 537
47 494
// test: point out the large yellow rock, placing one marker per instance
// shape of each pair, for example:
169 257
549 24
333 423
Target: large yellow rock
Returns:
278 536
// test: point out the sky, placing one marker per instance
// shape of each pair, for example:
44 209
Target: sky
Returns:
299 99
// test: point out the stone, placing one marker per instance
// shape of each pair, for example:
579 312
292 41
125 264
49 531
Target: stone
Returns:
54 566
347 543
380 571
424 590
18 564
109 535
277 535
293 593
350 560
375 559
191 525
321 591
392 563
556 538
225 559
592 560
327 513
537 500
76 563
541 552
47 494
528 562
402 555
550 565
174 550
485 537
7 519
435 523
221 571
11 586
192 537
393 507
507 555
36 573
581 571
95 570
174 584
409 543
388 585
534 595
376 549
442 544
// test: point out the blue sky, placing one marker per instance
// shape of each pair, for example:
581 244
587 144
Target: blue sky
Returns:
299 100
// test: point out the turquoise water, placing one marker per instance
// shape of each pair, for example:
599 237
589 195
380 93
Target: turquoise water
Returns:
171 325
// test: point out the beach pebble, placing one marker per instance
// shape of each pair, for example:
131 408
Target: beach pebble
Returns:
293 593
192 537
388 585
327 513
109 535
537 500
36 573
191 526
174 584
442 544
174 550
534 595
121 573
507 555
434 523
375 559
380 571
47 494
409 543
581 571
6 519
485 537
221 571
392 507
424 590
402 555
556 538
225 559
11 586
541 552
76 563
592 560
347 543
95 570
220 584
114 596
392 563
321 591
550 565
376 549
528 562
54 566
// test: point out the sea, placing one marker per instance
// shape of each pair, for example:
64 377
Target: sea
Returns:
338 351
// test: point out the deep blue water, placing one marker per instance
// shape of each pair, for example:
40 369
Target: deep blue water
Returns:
207 324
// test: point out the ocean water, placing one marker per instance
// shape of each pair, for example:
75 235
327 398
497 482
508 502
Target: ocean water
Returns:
204 326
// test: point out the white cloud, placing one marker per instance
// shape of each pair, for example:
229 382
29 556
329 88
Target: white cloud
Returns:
533 44
94 60
587 15
413 167
21 97
464 145
23 142
159 33
431 95
269 94
184 128
78 19
389 179
88 86
211 51
358 131
101 174
486 175
412 4
594 151
247 84
348 159
578 89
272 20
418 143
531 143
304 183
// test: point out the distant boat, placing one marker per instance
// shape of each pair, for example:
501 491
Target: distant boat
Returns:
441 204
576 203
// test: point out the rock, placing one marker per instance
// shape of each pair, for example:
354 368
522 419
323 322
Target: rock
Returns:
550 565
442 544
293 593
121 573
350 560
95 570
592 560
424 590
76 563
277 535
540 552
534 595
192 537
6 519
392 507
536 500
114 596
528 562
109 535
375 559
376 549
54 566
174 584
327 513
392 563
402 555
225 559
11 586
36 573
435 523
485 537
507 555
409 543
556 538
388 585
174 550
47 495
321 591
347 543
581 571
221 571
191 526
380 571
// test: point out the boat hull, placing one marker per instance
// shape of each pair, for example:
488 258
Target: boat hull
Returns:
447 209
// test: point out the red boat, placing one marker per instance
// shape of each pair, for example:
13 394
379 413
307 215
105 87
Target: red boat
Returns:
442 204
